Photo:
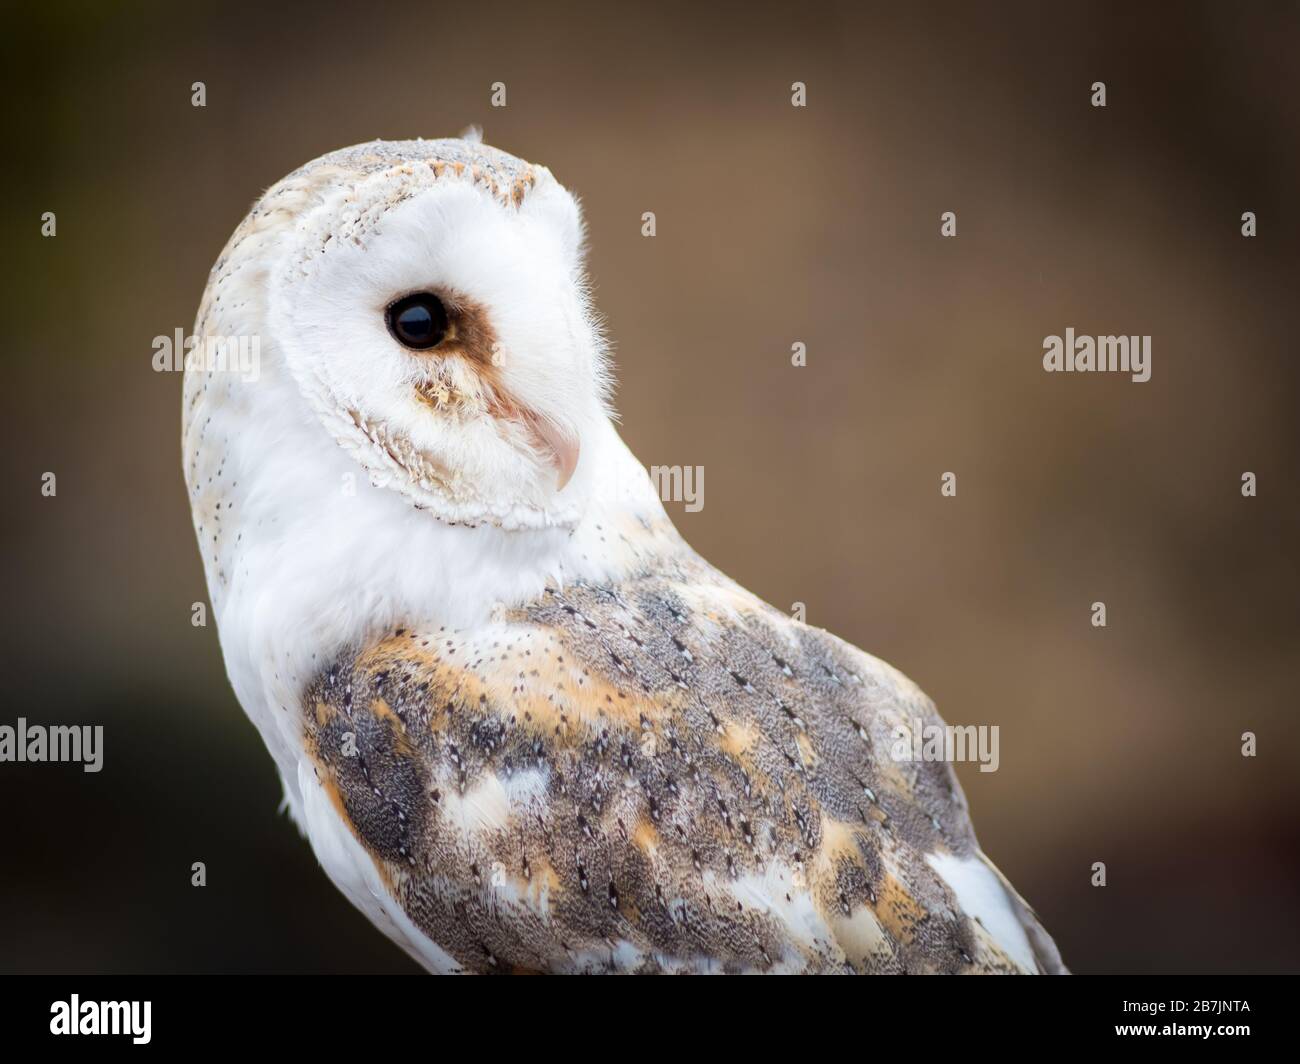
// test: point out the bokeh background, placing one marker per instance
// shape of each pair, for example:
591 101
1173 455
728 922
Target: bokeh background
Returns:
775 225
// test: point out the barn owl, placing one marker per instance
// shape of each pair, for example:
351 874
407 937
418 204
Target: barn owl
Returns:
523 725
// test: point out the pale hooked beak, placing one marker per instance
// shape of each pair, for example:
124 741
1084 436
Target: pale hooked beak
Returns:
562 444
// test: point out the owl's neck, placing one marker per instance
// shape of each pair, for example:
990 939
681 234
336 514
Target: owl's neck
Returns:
305 557
309 556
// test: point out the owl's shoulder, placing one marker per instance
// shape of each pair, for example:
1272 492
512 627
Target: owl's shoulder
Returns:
656 773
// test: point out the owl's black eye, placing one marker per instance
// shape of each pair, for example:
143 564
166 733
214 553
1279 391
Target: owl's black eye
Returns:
419 321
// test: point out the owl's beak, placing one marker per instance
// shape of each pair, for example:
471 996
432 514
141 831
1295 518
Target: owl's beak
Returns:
560 442
563 445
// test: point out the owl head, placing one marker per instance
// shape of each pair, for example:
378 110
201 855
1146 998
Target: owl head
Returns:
426 303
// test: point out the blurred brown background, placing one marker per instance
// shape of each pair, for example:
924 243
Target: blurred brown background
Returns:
776 225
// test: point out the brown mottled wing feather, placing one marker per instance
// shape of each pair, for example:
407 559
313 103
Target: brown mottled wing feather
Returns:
662 774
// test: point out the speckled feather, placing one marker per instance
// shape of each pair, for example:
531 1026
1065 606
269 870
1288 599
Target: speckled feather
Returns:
655 775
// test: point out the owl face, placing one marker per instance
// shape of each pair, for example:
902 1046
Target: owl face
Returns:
430 304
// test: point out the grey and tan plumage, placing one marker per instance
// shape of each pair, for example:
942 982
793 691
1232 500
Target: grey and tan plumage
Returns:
530 729
665 761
